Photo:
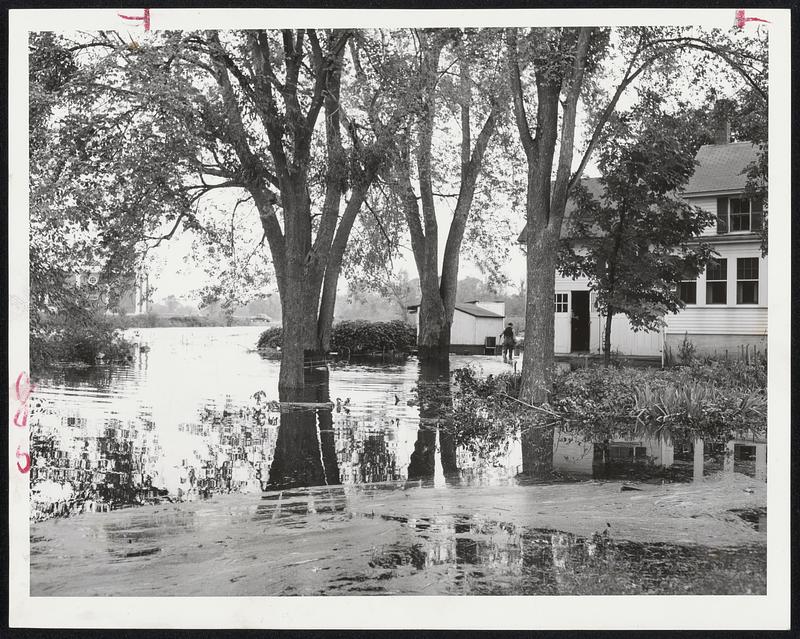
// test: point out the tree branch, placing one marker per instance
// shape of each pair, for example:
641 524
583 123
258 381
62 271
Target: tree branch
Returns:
521 118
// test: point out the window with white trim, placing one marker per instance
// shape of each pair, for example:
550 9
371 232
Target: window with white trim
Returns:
562 303
747 280
717 282
739 214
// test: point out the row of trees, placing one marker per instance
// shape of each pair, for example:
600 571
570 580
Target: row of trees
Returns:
320 132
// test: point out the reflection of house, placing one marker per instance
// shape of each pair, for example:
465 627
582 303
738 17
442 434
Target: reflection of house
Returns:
574 455
473 323
726 306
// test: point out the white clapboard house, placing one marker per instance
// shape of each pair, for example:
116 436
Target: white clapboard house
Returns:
476 326
726 306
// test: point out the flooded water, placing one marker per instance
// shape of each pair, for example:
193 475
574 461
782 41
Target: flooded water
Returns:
196 414
237 494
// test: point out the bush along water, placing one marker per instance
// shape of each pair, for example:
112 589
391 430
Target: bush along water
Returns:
85 340
712 400
357 338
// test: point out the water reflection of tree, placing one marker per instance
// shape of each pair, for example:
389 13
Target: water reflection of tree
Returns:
305 453
435 404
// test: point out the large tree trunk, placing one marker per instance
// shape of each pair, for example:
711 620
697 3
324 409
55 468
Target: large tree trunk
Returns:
298 302
433 341
544 210
539 359
537 374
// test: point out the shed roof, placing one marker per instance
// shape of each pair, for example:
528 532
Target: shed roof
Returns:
470 308
721 167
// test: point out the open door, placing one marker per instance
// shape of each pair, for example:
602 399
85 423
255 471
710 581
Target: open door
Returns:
580 321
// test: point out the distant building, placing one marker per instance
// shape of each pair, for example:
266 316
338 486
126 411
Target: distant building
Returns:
134 297
476 326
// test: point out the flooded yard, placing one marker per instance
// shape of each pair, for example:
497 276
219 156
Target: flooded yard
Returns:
408 538
179 475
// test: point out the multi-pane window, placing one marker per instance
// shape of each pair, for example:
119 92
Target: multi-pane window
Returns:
562 302
687 292
717 282
736 214
747 280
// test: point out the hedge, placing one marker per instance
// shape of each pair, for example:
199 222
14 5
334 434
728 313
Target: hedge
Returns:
357 337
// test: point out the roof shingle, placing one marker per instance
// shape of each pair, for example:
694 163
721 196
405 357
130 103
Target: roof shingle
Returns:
721 167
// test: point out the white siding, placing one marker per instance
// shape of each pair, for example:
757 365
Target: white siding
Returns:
487 327
719 320
707 203
695 319
463 329
623 338
470 330
730 318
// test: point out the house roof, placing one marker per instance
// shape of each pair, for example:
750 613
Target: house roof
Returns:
721 167
470 308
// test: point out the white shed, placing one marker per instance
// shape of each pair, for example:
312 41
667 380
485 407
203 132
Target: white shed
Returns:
473 322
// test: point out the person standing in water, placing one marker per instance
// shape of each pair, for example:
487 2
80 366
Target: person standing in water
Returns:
508 342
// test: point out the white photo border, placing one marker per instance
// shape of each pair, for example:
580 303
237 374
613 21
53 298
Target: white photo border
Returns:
771 611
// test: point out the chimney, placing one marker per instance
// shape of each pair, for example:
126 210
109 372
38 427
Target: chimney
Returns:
723 109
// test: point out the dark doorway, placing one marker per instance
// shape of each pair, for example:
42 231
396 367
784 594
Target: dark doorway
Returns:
580 321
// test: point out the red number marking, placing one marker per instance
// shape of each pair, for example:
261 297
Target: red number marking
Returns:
24 417
144 18
27 387
741 19
23 469
24 390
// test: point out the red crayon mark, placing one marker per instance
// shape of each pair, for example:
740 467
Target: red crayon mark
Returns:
24 390
741 19
21 416
144 18
24 386
23 468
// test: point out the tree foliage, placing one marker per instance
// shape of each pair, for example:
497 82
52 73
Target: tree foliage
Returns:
635 242
272 117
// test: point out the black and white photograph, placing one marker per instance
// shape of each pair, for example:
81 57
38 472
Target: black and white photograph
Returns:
399 310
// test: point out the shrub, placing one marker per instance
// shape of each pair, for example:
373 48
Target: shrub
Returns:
710 400
360 337
271 338
357 337
71 340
